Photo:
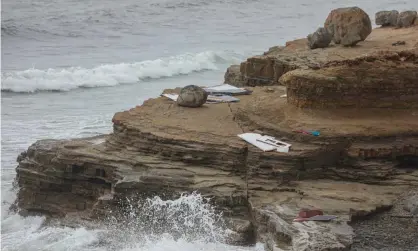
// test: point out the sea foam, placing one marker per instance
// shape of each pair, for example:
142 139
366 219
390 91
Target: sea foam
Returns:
33 80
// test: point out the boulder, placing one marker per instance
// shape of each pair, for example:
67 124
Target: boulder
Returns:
387 18
406 18
321 38
192 96
266 69
348 25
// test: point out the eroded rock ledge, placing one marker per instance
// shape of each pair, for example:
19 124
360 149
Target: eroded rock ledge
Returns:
358 165
267 69
363 100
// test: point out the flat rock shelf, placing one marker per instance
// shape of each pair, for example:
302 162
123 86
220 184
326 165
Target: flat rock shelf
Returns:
363 100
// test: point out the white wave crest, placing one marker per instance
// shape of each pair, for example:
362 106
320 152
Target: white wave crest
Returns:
33 80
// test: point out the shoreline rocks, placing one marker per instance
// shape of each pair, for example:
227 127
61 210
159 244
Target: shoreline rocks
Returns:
192 96
393 18
160 149
406 18
348 25
321 38
267 69
387 18
362 99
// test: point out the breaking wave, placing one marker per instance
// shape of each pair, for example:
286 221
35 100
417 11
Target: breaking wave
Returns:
33 80
187 223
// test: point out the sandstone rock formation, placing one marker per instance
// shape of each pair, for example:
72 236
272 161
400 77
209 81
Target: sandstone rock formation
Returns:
387 18
406 18
321 38
348 25
363 160
233 75
382 80
192 96
351 170
267 69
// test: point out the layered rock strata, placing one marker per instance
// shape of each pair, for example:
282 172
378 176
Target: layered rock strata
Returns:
361 162
267 69
380 80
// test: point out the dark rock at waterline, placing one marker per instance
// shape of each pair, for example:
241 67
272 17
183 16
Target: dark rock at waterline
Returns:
321 38
192 96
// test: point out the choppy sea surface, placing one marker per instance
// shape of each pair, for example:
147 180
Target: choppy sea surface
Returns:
68 66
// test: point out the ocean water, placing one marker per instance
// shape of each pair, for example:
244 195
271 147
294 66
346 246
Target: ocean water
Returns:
68 66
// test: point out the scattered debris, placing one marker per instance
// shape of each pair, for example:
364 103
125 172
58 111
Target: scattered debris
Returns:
313 215
314 133
226 90
221 99
171 96
211 99
216 94
283 96
307 213
265 143
399 43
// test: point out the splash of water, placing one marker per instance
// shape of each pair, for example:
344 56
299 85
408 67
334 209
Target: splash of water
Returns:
190 218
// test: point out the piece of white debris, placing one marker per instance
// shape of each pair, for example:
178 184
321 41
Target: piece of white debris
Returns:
265 143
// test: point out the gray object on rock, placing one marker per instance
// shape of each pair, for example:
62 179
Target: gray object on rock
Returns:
387 18
348 26
406 18
192 96
411 204
321 38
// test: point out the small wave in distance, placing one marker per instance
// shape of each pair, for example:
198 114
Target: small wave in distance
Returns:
34 80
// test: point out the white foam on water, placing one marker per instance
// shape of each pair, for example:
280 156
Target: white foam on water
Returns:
32 80
187 223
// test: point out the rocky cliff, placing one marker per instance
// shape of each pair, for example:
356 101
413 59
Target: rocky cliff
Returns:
361 163
267 69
